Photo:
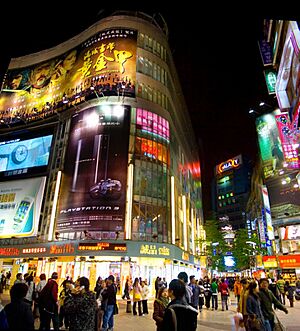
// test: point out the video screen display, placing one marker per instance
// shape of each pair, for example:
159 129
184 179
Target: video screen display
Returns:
24 156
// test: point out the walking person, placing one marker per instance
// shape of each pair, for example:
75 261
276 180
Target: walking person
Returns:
65 292
110 296
48 304
188 291
126 294
201 295
102 303
280 284
81 306
224 289
29 298
267 300
179 315
237 288
159 307
196 291
18 312
242 304
214 294
137 297
290 292
255 320
207 291
145 293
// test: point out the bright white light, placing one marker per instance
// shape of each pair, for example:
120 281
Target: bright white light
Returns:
91 120
296 185
283 182
118 111
251 111
261 103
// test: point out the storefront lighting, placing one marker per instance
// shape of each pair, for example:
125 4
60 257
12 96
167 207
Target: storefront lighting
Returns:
92 120
129 193
185 239
118 111
173 209
53 212
193 230
296 185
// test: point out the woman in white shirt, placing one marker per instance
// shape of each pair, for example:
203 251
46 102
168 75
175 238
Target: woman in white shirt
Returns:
145 293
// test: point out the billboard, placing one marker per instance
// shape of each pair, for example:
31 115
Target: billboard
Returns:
105 64
269 144
93 190
24 155
233 163
20 206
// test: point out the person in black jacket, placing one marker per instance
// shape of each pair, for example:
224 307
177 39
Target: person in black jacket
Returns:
179 315
19 313
110 296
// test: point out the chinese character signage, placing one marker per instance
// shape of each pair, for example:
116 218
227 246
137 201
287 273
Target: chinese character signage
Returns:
20 206
270 77
93 190
265 52
103 65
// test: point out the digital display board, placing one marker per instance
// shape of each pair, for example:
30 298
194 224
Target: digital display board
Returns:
20 206
104 64
18 156
93 189
102 246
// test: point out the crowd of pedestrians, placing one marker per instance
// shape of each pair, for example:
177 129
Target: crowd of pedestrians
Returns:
74 306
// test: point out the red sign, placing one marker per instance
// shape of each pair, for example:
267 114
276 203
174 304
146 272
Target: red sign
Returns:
289 261
9 251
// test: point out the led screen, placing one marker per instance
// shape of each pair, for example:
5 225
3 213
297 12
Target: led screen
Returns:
229 261
19 156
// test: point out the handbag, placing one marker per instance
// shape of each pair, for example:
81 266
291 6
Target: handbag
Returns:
254 323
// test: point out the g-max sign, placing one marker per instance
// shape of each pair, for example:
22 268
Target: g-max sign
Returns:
229 164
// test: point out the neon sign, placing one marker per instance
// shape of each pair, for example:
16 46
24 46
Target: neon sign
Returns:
229 164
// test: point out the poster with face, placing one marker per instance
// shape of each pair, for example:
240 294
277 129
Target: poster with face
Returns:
93 190
105 64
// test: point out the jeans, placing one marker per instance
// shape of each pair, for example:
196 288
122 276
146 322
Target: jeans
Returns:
267 325
224 299
108 317
139 307
214 302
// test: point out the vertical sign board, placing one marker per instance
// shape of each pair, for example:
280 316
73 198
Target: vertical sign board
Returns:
268 216
93 190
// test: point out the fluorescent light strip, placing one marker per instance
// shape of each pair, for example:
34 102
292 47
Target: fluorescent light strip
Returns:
54 205
173 226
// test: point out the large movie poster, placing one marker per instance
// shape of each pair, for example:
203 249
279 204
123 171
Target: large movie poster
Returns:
93 190
20 206
105 64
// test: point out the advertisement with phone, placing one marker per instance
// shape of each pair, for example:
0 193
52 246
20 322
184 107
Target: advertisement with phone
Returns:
93 189
20 206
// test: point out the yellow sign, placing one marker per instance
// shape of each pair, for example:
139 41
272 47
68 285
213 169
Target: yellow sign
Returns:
153 250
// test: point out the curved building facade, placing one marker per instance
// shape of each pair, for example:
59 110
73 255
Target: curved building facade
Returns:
99 168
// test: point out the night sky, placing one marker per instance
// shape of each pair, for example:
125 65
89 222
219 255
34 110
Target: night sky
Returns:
216 55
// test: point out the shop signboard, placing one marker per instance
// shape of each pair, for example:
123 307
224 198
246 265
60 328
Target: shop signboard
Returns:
20 206
93 190
102 246
270 261
289 261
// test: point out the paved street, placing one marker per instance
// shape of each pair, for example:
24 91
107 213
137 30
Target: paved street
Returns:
208 320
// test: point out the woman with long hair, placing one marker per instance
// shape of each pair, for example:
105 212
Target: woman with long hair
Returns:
160 304
255 316
137 297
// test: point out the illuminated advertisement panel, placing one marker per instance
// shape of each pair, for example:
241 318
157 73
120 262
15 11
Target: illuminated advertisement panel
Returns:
151 149
21 156
287 85
20 206
92 195
105 64
233 163
268 216
289 140
269 144
270 78
153 123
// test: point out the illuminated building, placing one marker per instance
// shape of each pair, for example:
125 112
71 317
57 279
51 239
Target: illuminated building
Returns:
231 191
100 124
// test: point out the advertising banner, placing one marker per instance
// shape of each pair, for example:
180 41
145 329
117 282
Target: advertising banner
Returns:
93 190
20 206
105 64
269 144
265 198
